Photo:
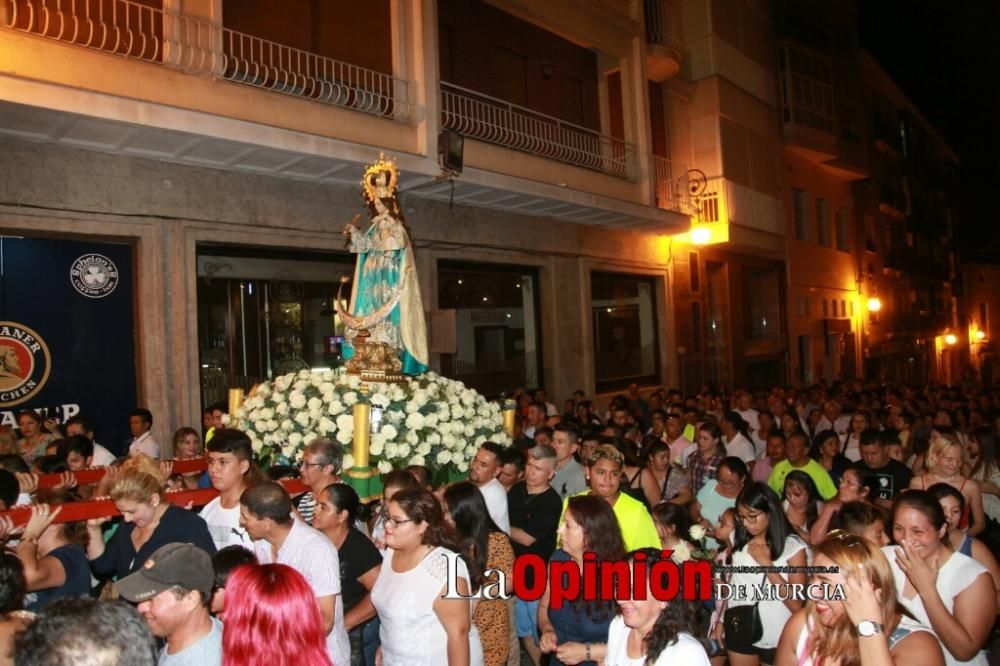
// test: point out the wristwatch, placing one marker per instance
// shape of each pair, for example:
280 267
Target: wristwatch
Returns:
868 628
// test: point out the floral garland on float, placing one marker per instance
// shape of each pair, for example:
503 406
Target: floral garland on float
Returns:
426 420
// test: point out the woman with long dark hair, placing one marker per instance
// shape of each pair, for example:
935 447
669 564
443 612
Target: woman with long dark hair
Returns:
856 485
577 632
658 633
801 502
703 464
409 592
662 481
272 619
736 437
764 538
943 589
826 451
484 547
335 514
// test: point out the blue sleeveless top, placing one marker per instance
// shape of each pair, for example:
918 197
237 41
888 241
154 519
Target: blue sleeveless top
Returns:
571 622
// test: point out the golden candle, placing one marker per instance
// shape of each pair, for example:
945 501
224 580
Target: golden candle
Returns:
235 401
508 419
362 432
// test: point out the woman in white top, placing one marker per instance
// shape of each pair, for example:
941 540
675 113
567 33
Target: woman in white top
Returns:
764 538
860 421
654 632
951 593
419 627
736 436
833 631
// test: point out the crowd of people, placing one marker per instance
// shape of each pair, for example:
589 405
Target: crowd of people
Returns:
889 493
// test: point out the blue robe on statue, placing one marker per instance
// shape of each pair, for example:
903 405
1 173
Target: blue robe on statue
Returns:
387 293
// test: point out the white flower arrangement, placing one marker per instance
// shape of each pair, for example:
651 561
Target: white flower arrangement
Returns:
429 420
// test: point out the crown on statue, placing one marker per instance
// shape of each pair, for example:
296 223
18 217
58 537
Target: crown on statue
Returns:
380 179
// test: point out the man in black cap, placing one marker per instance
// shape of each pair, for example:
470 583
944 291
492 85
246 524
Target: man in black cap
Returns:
173 590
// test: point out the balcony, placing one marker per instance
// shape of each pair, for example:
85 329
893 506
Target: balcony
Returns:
139 32
807 103
492 120
663 49
672 187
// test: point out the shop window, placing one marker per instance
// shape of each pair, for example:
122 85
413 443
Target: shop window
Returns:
626 345
497 341
263 314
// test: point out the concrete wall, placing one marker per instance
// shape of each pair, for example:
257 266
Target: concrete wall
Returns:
167 210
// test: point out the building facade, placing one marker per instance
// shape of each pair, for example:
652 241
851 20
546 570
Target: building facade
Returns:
220 145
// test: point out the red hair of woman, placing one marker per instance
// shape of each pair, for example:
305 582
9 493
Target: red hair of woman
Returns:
272 619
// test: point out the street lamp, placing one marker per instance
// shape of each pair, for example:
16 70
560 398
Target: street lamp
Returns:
950 339
979 335
874 304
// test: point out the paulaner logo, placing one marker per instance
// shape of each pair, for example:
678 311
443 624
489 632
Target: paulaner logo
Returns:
24 363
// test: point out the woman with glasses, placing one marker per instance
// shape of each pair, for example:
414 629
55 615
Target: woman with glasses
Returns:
658 633
941 588
336 510
577 632
719 494
866 627
393 482
419 626
764 538
856 485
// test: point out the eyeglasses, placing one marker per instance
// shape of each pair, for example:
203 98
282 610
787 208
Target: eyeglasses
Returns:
395 522
309 464
748 518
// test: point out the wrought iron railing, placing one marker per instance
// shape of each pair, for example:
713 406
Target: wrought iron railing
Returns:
673 186
493 120
142 32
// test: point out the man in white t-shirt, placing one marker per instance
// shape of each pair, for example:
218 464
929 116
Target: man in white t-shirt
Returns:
229 464
483 472
266 514
140 423
744 407
81 425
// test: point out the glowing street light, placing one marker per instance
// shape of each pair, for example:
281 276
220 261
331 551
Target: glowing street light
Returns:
979 335
874 304
950 339
701 235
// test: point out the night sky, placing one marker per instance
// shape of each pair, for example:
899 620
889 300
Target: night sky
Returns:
946 57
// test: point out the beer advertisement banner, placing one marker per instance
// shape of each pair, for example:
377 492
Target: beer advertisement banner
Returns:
67 332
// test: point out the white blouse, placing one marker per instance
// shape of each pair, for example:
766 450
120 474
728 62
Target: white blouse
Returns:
411 633
687 650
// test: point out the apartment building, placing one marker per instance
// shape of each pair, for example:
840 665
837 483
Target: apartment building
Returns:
202 157
909 275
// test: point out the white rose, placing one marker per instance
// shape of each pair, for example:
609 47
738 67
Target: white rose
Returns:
279 398
376 446
301 384
412 438
394 416
479 441
354 381
384 466
282 409
391 450
260 426
389 432
681 553
410 407
314 404
272 425
263 390
443 457
288 450
471 450
433 439
350 398
344 437
697 532
302 418
287 425
334 407
470 430
327 387
345 423
417 460
295 439
315 415
402 450
326 425
424 448
267 413
430 420
415 421
348 461
380 400
462 466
